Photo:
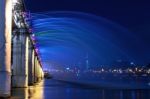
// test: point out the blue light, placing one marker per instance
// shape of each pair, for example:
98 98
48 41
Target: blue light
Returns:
68 68
64 38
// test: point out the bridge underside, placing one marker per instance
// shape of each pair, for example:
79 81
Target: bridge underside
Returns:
20 65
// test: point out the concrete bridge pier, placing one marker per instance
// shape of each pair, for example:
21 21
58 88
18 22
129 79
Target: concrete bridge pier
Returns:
31 65
40 74
38 71
20 60
35 69
5 47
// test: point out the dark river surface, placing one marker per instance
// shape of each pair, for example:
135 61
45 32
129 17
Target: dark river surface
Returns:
52 89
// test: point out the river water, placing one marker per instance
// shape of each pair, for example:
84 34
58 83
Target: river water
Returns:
53 89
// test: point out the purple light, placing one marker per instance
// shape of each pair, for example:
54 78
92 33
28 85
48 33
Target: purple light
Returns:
30 30
33 38
36 50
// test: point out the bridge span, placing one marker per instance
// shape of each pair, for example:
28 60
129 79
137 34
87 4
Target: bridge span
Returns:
20 64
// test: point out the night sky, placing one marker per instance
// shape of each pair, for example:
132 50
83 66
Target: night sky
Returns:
129 13
134 15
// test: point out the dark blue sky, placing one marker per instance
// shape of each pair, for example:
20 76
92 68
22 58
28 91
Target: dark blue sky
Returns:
128 12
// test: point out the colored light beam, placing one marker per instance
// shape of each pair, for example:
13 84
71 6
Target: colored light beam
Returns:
65 37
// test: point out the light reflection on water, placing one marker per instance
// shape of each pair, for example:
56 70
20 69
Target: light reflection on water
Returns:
32 92
60 90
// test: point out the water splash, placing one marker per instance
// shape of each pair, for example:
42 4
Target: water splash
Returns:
65 37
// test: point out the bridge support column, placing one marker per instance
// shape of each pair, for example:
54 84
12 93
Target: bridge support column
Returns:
5 47
42 74
20 60
35 69
38 72
31 66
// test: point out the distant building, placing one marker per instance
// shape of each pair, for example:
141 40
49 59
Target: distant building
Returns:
148 66
122 64
87 61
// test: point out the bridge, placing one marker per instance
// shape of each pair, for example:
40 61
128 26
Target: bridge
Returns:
20 64
78 42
